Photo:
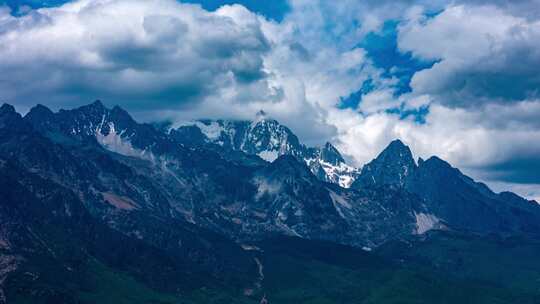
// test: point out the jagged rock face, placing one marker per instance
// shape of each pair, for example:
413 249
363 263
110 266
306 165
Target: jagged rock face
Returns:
265 137
450 198
330 154
113 129
328 165
391 168
268 139
469 205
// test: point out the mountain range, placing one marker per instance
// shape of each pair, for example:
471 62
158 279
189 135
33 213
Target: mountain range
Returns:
96 204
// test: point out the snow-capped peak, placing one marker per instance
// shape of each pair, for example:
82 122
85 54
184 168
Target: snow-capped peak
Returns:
269 139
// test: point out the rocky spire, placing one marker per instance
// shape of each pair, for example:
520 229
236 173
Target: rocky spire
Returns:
391 168
330 154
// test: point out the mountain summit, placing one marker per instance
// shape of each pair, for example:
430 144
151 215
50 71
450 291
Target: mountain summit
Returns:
391 167
268 139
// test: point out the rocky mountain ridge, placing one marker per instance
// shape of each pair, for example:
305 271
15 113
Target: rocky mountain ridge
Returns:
451 196
203 204
248 200
268 139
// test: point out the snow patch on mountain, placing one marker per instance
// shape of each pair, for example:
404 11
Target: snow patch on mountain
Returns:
120 202
341 174
346 181
114 142
338 201
425 222
284 227
269 156
212 130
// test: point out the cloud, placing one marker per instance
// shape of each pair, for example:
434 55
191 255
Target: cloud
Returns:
485 55
168 60
529 9
378 100
146 54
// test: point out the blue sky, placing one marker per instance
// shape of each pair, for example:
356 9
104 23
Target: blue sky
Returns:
458 79
274 9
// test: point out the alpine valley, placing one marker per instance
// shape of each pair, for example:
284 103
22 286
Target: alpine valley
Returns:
98 208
